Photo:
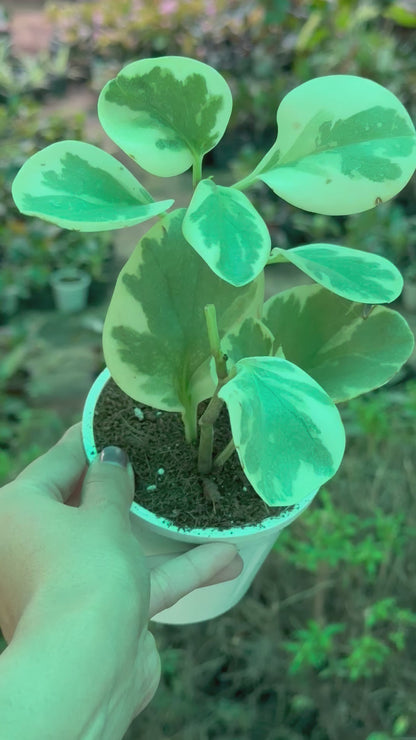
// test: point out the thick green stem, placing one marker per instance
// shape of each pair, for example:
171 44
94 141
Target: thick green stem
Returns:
206 423
196 171
189 422
214 341
213 410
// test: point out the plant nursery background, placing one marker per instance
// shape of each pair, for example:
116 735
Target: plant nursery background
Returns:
323 646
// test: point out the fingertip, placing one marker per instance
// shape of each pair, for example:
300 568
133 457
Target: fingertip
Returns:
195 568
222 552
228 573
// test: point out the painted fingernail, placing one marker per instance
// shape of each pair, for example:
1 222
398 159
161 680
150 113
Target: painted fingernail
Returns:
115 456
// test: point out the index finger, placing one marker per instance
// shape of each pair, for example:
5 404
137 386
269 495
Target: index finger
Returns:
201 566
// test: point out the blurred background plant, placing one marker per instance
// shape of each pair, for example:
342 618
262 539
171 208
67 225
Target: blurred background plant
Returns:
48 72
262 48
30 249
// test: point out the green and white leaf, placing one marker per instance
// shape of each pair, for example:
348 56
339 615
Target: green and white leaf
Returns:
328 338
227 231
252 338
166 112
155 336
351 273
79 186
344 145
288 433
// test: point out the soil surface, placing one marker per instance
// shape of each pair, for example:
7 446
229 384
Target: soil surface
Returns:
165 465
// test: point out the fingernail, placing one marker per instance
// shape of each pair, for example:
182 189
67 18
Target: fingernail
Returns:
115 456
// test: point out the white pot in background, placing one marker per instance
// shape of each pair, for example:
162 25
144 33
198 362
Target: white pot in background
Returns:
161 540
70 289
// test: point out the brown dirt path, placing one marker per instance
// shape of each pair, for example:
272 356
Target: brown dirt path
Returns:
30 29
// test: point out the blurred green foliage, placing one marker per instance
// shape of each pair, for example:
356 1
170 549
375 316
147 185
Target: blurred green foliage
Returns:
30 249
332 538
360 628
35 76
263 49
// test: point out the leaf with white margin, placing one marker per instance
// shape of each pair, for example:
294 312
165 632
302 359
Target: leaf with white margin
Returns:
79 186
287 432
227 231
344 145
166 112
250 339
328 338
155 337
350 273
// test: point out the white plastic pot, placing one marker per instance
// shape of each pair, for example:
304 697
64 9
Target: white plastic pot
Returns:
161 540
70 289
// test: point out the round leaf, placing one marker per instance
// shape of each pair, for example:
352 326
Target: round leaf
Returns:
344 144
350 273
329 338
79 186
250 339
287 431
227 232
166 113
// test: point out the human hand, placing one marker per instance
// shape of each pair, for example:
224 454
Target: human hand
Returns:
66 539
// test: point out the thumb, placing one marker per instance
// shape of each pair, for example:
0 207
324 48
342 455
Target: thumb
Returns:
109 482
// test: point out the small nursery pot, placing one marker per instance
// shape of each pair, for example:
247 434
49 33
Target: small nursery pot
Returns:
161 540
70 289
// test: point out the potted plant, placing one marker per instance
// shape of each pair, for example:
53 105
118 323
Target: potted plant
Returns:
189 344
70 289
82 263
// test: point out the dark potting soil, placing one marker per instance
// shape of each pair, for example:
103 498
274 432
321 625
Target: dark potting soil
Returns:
165 465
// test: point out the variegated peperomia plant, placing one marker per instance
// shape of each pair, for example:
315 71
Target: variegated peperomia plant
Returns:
187 321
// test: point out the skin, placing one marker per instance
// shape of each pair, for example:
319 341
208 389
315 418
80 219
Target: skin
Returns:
76 595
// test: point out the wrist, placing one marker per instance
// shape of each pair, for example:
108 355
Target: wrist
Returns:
58 677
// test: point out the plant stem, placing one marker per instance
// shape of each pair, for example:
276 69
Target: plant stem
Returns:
212 412
196 171
206 423
244 183
224 454
214 341
269 161
189 422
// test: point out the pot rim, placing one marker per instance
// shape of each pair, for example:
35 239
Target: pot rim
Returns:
280 521
62 272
